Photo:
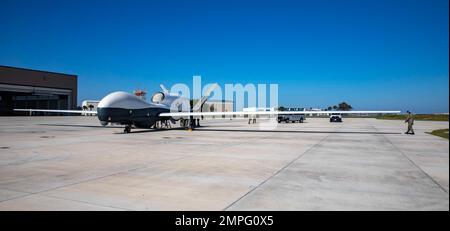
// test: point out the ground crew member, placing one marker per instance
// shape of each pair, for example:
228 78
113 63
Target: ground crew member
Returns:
252 119
410 121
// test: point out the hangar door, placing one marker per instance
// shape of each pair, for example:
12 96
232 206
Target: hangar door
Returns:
17 96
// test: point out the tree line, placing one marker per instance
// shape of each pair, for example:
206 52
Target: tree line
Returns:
339 107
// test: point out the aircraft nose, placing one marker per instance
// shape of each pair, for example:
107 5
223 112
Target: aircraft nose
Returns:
112 106
103 115
103 111
105 102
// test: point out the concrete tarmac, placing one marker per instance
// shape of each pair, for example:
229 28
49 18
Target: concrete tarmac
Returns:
72 163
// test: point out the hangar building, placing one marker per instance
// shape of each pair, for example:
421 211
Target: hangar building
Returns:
26 88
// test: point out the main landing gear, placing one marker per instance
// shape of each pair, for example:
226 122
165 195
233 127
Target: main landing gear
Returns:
190 124
127 129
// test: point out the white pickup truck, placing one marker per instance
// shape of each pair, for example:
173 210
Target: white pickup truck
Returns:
292 118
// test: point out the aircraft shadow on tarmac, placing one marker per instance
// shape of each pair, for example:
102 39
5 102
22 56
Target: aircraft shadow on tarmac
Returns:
80 125
223 130
149 130
120 127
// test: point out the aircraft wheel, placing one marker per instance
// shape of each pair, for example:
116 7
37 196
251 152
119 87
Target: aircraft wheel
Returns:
127 129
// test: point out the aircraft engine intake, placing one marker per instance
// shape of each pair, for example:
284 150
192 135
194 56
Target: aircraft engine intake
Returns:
175 102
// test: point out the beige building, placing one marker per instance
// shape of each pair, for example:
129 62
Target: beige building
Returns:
218 106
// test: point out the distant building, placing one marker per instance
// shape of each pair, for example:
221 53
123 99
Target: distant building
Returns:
256 109
218 106
313 109
89 105
34 89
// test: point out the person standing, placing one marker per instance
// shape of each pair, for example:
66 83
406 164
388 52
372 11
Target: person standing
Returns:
410 121
252 119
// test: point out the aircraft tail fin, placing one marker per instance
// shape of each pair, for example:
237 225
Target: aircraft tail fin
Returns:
208 92
164 89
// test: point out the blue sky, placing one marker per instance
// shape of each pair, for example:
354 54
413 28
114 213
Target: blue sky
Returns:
373 54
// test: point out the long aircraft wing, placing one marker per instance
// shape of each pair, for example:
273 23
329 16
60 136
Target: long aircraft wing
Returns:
172 114
58 111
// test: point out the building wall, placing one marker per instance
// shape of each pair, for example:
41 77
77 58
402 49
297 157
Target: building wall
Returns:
218 106
25 85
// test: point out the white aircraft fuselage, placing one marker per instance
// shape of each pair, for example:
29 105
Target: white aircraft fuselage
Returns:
124 108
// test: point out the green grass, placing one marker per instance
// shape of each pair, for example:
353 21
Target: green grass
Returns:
430 117
441 133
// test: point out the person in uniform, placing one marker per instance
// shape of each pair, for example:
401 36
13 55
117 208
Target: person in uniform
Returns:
410 121
252 119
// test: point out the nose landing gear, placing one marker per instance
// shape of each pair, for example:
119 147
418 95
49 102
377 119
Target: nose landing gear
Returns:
127 129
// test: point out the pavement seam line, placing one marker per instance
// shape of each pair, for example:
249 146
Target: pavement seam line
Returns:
85 181
101 177
276 173
84 202
72 200
413 163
